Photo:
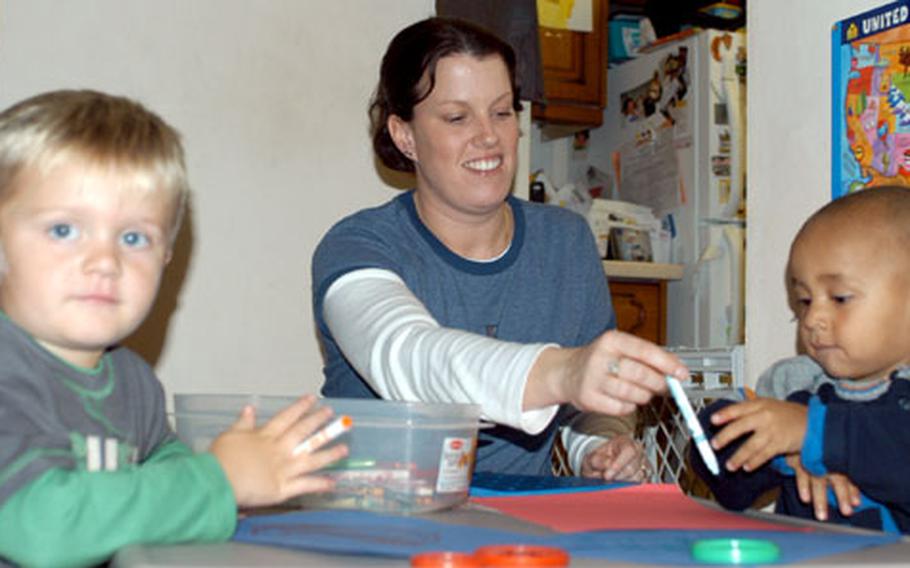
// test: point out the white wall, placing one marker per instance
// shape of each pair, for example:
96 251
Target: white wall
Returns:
789 147
271 98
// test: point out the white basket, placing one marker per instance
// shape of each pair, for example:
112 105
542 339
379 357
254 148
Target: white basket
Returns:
716 373
664 435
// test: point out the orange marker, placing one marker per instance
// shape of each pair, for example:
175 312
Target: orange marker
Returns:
750 394
335 428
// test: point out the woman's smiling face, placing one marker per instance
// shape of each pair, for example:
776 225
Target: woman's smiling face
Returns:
463 137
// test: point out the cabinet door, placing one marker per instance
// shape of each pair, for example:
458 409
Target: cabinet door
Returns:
574 69
639 309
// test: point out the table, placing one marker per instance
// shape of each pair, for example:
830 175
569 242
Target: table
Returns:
238 554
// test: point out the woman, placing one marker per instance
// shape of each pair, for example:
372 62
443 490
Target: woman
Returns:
458 292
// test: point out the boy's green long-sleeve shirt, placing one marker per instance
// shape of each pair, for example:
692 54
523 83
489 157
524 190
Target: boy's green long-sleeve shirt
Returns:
89 464
80 518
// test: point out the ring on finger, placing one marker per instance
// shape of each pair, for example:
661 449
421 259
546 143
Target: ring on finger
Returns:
613 366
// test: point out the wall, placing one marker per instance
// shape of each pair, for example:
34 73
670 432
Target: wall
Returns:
271 99
789 165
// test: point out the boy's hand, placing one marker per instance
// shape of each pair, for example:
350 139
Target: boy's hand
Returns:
260 463
619 459
777 427
814 490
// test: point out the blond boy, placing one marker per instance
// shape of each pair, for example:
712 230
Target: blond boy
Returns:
92 192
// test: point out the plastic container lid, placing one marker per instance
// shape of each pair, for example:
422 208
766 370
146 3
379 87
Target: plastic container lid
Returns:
366 412
445 559
521 555
735 551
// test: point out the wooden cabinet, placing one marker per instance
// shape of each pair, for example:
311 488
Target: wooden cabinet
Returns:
641 308
574 69
639 293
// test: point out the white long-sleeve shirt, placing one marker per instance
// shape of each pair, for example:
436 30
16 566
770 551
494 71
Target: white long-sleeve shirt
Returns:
404 354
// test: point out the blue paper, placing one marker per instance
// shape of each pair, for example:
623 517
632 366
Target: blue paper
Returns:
360 532
363 533
675 546
485 484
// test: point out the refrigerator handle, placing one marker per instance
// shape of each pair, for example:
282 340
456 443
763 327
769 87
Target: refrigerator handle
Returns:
735 113
733 240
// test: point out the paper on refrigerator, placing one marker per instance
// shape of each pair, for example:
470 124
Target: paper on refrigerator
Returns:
648 170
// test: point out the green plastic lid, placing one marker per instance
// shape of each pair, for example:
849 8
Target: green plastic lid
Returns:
735 551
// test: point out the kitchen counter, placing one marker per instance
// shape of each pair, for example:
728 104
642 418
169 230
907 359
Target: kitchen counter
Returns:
628 270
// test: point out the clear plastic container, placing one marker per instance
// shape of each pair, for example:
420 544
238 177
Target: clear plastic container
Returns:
404 457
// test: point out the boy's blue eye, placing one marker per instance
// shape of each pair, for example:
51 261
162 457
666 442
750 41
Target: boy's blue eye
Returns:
135 239
63 231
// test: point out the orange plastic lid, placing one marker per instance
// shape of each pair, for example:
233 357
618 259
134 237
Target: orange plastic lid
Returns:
445 559
521 555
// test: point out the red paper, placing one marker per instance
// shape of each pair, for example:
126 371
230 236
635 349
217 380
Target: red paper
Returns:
637 507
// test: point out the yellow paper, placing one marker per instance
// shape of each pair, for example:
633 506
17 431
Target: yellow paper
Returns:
575 15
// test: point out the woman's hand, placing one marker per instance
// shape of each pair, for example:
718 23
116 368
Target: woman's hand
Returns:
619 459
612 375
261 463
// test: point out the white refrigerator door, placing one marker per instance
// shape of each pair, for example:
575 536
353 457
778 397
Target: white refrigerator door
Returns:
654 159
722 155
650 127
705 308
718 285
673 135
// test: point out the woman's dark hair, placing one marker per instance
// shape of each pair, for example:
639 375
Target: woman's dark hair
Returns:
411 55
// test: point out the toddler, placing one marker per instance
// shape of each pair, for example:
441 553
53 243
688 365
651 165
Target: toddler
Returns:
92 191
833 425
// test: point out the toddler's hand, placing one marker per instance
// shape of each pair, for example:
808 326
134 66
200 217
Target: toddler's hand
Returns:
777 427
814 490
619 459
260 463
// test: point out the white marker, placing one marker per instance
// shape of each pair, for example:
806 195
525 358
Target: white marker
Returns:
334 429
698 435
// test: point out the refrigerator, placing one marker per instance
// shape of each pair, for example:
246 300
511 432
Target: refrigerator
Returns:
673 137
